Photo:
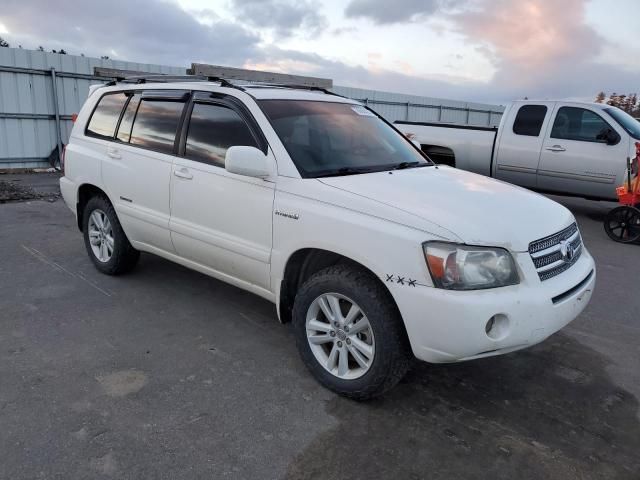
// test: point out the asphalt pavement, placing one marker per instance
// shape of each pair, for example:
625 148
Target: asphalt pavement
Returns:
167 373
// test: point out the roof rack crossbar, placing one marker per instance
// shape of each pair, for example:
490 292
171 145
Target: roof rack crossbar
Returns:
295 87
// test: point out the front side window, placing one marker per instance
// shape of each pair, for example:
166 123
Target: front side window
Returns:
332 139
573 123
212 130
106 115
529 120
156 124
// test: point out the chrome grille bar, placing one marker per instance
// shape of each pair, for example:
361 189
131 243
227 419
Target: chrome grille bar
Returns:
547 253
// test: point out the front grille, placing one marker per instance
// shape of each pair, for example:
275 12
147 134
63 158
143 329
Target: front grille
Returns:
550 254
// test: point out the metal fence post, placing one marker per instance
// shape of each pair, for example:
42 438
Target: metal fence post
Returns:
407 117
56 109
439 113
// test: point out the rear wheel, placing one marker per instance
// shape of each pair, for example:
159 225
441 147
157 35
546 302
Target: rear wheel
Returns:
622 224
349 332
105 241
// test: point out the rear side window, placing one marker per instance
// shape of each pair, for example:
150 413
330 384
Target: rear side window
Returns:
156 124
212 130
579 124
529 120
124 130
106 115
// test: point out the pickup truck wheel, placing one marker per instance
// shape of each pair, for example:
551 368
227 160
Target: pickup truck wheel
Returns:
106 243
349 333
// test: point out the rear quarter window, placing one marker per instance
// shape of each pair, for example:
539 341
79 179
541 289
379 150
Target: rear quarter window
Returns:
105 116
156 124
529 120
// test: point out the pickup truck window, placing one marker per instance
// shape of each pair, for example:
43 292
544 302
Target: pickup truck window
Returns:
529 120
333 139
626 121
212 130
106 115
573 123
156 124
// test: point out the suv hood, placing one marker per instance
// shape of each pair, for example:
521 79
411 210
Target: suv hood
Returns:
478 209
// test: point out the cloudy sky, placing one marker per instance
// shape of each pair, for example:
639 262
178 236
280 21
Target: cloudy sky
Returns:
480 50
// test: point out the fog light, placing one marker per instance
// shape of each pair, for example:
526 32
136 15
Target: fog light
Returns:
497 327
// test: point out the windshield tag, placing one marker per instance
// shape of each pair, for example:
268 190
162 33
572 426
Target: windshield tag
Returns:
360 110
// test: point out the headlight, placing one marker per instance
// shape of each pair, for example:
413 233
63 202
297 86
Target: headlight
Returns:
463 267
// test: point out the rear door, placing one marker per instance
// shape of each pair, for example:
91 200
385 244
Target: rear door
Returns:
219 219
137 169
520 141
576 158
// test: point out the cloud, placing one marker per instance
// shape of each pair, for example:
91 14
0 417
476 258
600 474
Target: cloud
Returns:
284 17
384 12
540 47
150 31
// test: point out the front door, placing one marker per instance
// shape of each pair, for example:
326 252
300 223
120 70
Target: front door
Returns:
219 219
576 157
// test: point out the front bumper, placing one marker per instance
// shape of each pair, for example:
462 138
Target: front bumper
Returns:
450 326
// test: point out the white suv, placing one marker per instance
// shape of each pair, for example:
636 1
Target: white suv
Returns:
319 205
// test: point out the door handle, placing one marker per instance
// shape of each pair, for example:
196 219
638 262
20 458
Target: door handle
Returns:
556 148
183 173
113 153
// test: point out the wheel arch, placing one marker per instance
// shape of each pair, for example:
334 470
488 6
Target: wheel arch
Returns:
85 192
305 262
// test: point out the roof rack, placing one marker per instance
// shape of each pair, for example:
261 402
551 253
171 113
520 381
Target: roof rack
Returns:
159 78
293 86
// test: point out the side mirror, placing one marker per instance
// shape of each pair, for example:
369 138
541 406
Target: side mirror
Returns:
608 136
247 161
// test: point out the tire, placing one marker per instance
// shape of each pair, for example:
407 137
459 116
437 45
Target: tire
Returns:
391 356
123 257
622 224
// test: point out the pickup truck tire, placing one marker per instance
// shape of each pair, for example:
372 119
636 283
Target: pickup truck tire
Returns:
105 241
344 286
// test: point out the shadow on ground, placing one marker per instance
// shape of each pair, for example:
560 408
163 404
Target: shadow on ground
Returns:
549 412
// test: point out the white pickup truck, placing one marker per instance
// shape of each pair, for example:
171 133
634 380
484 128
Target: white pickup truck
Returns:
568 148
317 204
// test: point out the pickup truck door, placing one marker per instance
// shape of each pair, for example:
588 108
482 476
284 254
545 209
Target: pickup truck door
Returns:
519 143
576 157
220 220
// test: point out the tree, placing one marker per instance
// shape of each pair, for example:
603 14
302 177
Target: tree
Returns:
105 57
601 97
3 42
62 52
614 100
40 48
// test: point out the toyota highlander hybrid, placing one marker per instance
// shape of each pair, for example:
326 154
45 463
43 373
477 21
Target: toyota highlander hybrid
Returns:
318 204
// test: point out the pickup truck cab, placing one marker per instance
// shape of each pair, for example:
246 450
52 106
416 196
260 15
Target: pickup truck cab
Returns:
567 148
317 204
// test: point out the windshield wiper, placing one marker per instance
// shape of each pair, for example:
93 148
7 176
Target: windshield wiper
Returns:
403 165
345 171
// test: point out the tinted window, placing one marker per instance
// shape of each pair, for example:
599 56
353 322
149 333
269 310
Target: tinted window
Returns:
212 130
529 120
124 130
105 117
156 124
626 121
328 139
573 123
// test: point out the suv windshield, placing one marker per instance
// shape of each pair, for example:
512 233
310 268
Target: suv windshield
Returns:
626 121
333 139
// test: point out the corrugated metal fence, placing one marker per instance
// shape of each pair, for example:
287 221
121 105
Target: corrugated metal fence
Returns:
39 92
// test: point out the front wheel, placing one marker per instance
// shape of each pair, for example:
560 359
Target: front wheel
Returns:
349 332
